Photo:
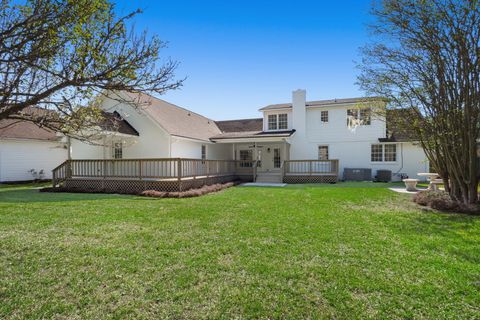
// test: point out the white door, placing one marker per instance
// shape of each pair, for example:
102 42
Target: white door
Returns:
270 157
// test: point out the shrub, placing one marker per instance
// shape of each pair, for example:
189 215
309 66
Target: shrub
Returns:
440 200
189 193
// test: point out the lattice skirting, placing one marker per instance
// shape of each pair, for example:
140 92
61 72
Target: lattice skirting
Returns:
135 186
311 179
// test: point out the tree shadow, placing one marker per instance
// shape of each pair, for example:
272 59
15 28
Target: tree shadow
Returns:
28 195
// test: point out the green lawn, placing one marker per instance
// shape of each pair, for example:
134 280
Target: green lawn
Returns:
332 251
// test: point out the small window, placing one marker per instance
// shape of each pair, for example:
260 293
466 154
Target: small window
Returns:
377 153
272 122
322 152
324 116
246 157
117 150
282 121
390 152
204 152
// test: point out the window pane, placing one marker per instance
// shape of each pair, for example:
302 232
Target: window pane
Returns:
117 151
324 116
377 153
246 157
272 122
204 152
390 152
365 116
282 121
352 113
276 158
323 153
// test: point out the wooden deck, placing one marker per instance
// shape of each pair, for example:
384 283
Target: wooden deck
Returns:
135 175
178 174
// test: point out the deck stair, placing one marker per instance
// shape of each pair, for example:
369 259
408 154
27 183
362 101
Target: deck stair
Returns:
269 177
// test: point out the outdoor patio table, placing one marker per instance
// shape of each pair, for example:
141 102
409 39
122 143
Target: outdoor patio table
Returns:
430 177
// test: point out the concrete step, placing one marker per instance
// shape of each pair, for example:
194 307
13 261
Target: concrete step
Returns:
269 178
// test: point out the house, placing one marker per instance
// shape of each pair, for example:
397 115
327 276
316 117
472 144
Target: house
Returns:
28 152
299 141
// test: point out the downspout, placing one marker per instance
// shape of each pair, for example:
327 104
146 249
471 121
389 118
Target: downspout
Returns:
69 146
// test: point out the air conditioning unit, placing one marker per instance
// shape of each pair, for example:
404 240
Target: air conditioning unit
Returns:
384 175
357 174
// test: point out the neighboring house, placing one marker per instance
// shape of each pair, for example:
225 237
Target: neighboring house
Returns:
300 130
24 146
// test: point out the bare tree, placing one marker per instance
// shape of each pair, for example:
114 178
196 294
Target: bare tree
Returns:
425 57
62 55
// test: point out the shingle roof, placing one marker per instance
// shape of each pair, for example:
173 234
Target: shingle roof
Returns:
321 103
242 125
114 122
253 134
20 129
176 120
23 129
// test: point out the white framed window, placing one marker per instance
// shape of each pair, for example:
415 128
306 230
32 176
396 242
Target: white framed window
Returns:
377 153
390 152
383 153
272 122
246 157
117 150
322 152
364 115
204 152
283 121
278 121
324 116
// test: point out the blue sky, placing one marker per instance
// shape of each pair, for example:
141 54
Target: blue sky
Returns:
239 56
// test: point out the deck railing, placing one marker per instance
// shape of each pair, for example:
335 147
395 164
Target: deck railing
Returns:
310 167
167 168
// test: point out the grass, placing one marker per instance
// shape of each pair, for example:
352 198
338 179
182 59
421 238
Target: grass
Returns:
331 251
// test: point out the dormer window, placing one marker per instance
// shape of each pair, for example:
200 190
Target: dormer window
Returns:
272 122
282 121
278 121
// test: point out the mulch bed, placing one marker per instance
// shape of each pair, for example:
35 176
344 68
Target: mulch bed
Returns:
441 201
153 193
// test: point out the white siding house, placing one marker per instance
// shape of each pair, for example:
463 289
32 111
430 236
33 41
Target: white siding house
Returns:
25 146
347 130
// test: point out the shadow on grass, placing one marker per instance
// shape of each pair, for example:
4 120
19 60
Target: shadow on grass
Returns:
28 195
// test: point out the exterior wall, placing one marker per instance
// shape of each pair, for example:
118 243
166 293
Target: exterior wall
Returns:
82 150
17 157
411 159
220 151
152 142
182 148
352 149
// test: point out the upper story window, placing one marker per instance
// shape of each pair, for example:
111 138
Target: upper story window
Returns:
384 152
278 121
324 116
272 122
282 121
362 116
117 150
